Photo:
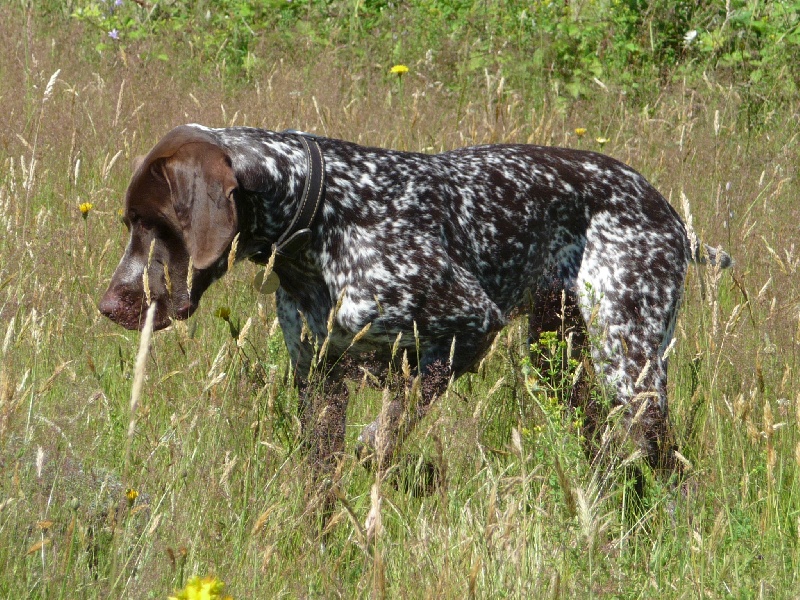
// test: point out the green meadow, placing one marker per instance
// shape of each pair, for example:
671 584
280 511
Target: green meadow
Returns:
204 474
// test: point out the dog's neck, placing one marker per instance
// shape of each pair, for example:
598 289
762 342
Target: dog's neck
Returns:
270 187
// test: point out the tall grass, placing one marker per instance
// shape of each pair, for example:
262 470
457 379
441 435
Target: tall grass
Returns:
213 456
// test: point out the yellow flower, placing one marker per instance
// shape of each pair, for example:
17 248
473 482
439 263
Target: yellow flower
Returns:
85 207
399 70
224 313
602 141
131 494
580 131
207 588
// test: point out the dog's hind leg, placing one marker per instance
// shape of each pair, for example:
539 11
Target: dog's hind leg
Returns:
632 312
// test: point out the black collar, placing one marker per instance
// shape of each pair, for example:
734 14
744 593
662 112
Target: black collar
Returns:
298 234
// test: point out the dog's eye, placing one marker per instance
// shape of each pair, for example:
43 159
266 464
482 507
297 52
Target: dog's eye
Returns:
133 219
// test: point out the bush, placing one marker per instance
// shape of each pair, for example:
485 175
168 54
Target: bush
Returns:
578 46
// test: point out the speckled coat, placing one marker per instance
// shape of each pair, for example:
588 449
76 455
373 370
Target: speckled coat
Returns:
451 244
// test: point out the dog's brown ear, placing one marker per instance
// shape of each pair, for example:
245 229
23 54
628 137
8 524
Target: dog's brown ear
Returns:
202 185
137 162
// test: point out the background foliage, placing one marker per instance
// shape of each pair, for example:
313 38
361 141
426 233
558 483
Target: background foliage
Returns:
574 44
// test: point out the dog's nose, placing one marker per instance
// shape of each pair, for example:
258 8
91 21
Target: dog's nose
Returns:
109 305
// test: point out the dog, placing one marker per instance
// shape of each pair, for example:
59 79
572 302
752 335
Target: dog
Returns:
387 254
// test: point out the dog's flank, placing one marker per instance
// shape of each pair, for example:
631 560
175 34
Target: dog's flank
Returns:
428 247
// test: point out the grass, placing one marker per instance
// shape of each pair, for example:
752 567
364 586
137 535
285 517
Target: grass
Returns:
222 486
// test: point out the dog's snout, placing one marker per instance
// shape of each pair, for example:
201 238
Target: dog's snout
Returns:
121 309
109 305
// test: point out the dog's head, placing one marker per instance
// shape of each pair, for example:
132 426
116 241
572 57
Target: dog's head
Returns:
181 214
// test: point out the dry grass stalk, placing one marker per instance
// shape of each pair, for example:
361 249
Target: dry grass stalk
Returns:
217 360
566 488
119 105
516 441
7 404
48 91
189 277
29 178
374 524
8 337
240 341
406 366
481 403
688 222
589 503
361 535
399 337
335 310
232 253
262 520
227 469
769 430
109 164
384 432
361 333
138 381
270 263
473 577
146 272
643 374
684 461
167 280
797 454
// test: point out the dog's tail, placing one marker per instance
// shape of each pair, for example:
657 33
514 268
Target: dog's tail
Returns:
716 257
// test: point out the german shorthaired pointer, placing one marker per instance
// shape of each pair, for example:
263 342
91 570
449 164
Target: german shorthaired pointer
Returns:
434 252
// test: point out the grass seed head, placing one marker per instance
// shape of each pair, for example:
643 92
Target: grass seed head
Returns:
48 91
189 277
167 280
232 253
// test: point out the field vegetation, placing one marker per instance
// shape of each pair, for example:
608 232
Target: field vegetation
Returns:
203 475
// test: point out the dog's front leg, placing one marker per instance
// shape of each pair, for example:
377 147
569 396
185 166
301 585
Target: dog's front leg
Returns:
381 439
322 408
325 424
322 392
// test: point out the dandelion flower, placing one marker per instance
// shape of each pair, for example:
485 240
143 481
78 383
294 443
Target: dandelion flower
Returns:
580 131
85 208
131 494
399 70
602 141
207 588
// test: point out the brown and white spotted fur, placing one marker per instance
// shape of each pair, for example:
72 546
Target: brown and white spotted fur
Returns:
452 244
